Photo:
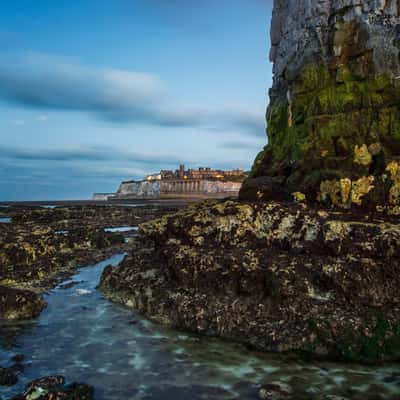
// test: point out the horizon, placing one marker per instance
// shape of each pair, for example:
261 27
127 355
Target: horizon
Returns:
96 93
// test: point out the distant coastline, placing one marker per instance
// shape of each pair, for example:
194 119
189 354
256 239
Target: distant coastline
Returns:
198 183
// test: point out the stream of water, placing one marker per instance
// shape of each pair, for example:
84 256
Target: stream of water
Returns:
88 339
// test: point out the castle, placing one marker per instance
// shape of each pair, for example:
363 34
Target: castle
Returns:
200 173
181 183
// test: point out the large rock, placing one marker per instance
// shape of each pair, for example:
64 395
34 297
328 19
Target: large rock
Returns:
44 246
334 116
278 277
54 388
8 377
19 304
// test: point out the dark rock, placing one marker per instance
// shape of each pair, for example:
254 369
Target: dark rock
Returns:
45 382
54 388
276 276
7 377
19 304
263 187
275 391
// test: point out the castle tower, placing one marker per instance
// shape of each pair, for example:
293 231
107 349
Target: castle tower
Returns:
181 173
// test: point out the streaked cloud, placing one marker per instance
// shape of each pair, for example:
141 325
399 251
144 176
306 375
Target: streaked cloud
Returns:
90 153
37 174
47 82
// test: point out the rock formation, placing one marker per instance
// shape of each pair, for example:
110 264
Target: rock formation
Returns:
55 388
43 246
334 112
299 276
280 278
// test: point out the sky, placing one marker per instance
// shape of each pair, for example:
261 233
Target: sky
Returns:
94 92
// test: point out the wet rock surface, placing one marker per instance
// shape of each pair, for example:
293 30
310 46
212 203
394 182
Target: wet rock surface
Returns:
40 247
279 277
54 388
19 303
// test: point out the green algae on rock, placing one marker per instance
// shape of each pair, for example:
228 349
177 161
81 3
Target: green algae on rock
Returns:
43 246
334 113
19 304
277 277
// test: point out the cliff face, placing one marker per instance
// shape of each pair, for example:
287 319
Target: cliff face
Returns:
144 189
334 116
176 189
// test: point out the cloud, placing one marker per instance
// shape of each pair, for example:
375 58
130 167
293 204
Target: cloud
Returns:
44 81
65 173
104 159
41 80
90 153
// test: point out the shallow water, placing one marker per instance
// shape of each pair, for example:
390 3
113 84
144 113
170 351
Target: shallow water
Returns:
5 220
121 229
131 205
86 338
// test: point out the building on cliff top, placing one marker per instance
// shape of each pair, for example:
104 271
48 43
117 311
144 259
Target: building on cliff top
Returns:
181 183
200 173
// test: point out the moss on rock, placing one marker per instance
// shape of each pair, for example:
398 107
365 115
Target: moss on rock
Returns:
260 272
334 113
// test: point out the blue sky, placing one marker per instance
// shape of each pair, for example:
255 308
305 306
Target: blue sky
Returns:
93 92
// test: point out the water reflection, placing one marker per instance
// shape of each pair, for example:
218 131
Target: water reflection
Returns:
86 338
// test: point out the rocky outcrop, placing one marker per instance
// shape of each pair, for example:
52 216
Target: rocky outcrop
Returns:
334 112
8 377
54 388
279 277
43 246
19 304
297 276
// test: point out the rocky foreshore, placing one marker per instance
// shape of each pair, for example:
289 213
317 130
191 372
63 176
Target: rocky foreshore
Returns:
41 247
276 276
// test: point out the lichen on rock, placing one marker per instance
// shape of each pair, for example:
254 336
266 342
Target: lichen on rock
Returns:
334 111
344 192
278 277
